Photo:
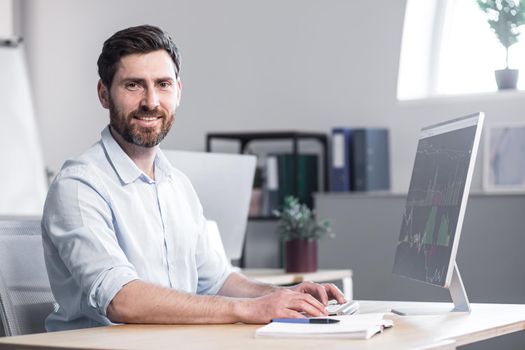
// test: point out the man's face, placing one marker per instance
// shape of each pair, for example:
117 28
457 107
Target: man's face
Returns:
143 97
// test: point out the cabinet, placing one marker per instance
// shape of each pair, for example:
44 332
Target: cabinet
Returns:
244 139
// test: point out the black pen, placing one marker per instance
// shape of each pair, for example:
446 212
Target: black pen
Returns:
306 320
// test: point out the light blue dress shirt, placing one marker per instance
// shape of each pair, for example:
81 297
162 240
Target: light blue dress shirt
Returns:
106 223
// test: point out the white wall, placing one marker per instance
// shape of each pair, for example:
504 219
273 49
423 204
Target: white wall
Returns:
294 64
6 19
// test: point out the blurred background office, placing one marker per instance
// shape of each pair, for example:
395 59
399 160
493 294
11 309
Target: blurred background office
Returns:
268 65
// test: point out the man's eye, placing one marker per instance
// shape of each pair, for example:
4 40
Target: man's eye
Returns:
165 85
132 86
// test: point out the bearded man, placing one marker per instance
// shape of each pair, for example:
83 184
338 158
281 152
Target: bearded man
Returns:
124 234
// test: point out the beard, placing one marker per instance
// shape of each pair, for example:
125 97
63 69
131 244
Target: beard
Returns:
136 134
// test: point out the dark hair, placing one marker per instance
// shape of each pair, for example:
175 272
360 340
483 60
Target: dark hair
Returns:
140 39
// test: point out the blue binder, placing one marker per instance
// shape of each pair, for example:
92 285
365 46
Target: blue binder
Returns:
340 168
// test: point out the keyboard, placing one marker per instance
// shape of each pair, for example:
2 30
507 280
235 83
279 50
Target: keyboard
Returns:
347 308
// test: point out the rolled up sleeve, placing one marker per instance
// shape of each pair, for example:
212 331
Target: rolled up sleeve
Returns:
107 285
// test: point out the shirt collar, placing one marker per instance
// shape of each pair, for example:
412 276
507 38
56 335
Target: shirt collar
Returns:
125 168
163 167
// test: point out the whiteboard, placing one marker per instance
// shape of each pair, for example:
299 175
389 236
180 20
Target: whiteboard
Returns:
23 184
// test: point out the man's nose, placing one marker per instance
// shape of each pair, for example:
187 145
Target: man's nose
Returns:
150 100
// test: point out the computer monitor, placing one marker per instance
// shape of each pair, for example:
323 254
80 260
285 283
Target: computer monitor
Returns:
224 184
435 206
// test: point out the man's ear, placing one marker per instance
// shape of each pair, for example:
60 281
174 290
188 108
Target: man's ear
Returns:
103 94
179 91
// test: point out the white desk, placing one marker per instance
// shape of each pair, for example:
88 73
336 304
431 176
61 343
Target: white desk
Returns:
279 277
414 332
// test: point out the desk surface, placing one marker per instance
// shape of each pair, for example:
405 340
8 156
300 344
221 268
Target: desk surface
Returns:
422 332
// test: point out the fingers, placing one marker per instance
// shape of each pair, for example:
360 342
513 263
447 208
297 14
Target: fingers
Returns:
308 304
317 290
289 313
306 298
301 302
334 293
282 303
321 293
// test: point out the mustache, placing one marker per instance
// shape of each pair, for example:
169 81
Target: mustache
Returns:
148 113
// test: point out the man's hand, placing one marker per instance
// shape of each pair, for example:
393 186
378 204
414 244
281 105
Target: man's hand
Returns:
322 292
281 303
258 302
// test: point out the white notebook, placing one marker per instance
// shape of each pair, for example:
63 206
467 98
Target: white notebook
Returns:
360 326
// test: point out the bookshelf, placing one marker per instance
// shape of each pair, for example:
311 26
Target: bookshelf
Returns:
245 138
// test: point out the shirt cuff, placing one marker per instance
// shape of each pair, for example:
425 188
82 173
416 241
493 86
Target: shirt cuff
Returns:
107 285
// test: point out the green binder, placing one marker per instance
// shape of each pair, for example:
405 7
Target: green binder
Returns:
308 178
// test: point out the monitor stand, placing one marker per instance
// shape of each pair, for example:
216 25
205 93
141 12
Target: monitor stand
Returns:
457 292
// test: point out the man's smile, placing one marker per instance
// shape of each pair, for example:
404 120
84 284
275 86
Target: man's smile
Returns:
147 118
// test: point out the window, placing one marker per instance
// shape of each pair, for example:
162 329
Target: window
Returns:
448 48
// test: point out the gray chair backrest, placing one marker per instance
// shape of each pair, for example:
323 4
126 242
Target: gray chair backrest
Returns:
25 294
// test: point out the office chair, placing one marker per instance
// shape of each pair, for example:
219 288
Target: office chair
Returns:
25 294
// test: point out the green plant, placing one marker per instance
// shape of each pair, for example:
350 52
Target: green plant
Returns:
504 17
297 221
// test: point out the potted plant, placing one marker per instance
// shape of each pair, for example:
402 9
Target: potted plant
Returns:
300 231
505 17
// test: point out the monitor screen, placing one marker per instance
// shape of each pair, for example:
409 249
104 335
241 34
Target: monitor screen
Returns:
436 200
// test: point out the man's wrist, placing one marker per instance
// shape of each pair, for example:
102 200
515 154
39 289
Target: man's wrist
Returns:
272 288
240 308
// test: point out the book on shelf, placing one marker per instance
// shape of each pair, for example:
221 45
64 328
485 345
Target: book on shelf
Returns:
340 165
256 200
280 179
370 160
358 326
307 178
360 159
271 186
